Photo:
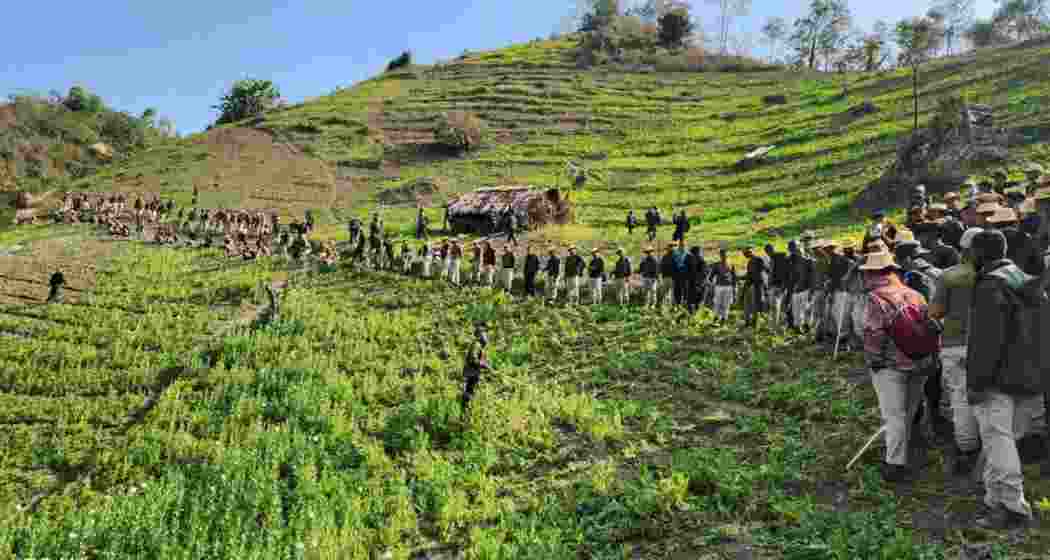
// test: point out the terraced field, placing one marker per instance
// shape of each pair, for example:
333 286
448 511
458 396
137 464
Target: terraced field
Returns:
147 419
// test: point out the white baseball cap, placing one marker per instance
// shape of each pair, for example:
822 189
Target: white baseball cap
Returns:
967 238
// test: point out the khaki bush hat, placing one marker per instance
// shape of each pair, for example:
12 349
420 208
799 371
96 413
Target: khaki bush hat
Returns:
904 236
878 261
1002 216
951 196
987 207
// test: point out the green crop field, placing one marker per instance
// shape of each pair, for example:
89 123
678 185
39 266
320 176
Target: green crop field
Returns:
149 418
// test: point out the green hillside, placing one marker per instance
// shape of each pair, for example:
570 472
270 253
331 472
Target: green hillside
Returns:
150 418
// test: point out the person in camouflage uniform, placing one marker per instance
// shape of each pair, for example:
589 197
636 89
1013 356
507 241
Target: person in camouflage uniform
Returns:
475 363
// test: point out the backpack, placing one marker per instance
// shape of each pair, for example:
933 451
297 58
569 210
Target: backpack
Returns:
1028 308
911 330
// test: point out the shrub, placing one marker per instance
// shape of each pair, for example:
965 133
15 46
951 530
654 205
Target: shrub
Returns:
405 59
247 98
674 27
459 131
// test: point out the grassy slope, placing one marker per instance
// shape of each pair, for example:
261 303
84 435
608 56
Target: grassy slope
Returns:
601 430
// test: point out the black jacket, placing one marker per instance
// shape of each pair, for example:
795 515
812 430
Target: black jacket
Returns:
944 256
623 268
839 267
724 275
596 269
667 266
649 267
574 266
780 274
757 272
802 273
553 265
532 265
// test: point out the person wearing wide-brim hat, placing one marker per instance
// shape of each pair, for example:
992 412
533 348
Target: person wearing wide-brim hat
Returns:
596 273
488 263
898 381
622 271
455 258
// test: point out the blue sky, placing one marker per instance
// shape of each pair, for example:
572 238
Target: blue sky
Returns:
179 57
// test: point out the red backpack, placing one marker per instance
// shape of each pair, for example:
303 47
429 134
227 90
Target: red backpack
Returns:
911 329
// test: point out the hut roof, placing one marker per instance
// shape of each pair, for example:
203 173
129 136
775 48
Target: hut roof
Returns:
493 199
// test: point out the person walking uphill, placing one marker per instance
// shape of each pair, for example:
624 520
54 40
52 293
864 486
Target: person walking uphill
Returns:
1004 377
652 220
632 222
898 380
596 272
474 364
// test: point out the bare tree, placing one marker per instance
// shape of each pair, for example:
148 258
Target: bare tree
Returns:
1022 19
958 17
824 29
917 41
727 10
774 31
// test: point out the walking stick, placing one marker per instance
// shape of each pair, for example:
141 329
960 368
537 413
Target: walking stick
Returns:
838 330
881 431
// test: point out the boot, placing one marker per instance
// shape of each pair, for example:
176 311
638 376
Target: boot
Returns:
895 473
999 518
964 462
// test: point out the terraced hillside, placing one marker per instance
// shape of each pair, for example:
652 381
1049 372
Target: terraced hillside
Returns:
150 418
669 140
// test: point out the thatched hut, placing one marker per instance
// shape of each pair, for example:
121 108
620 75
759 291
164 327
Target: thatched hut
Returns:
482 211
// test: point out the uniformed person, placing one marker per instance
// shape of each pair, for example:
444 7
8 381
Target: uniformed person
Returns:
530 270
425 257
725 286
508 262
455 258
650 271
596 272
574 270
553 270
622 274
475 363
479 267
489 262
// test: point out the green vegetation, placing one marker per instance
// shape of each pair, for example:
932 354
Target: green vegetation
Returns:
44 142
151 422
246 99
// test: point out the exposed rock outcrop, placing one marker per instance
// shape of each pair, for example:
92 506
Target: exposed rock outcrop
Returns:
940 157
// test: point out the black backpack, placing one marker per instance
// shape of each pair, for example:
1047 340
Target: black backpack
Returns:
1028 325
